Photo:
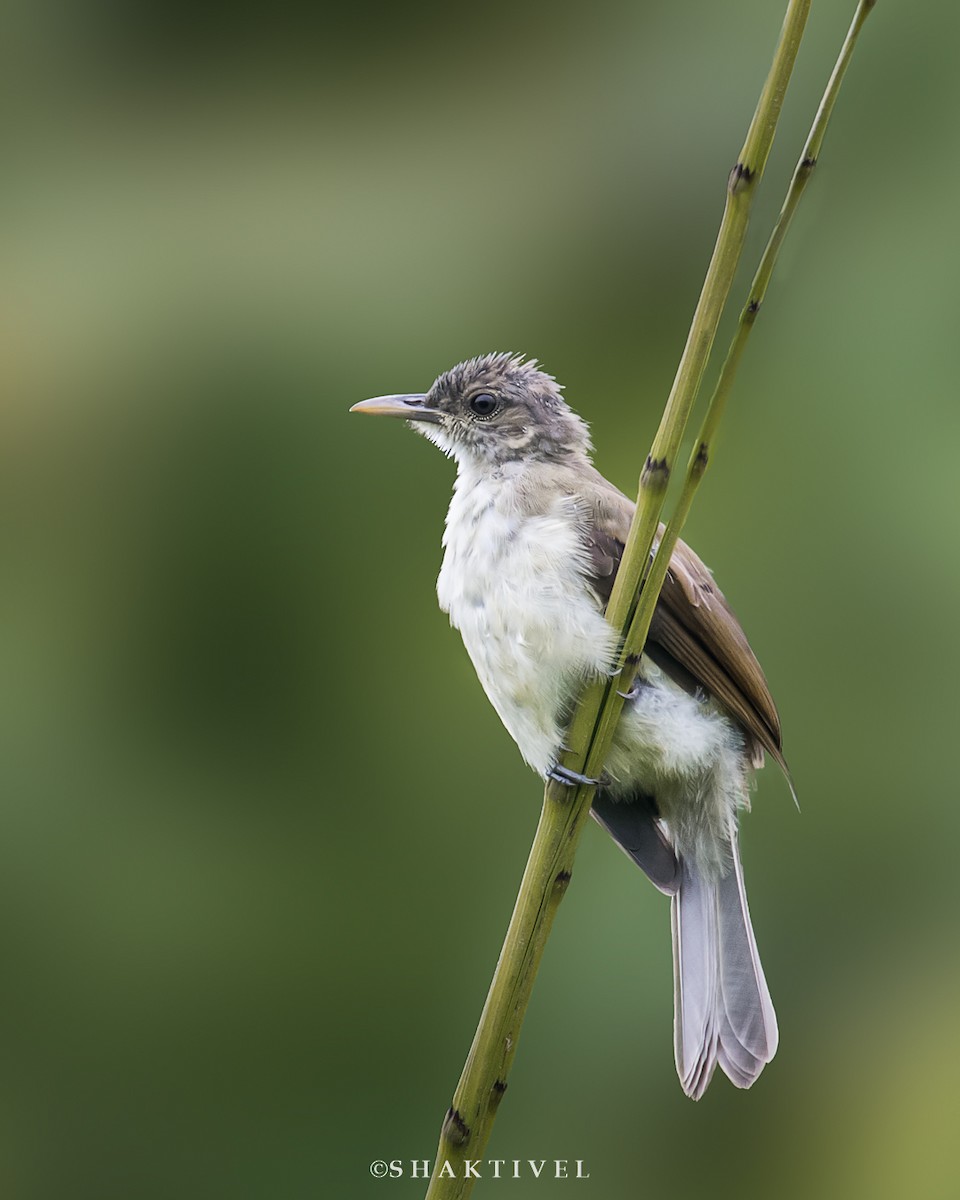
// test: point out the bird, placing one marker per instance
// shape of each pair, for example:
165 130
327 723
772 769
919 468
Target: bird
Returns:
532 542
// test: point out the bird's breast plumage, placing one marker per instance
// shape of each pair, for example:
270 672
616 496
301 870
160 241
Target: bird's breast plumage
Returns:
513 582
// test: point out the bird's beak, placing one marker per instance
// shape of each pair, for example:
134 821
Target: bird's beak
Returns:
411 407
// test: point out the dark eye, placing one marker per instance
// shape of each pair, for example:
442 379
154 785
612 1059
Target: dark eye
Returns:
483 404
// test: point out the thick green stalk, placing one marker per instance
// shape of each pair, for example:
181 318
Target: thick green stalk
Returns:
469 1120
467 1125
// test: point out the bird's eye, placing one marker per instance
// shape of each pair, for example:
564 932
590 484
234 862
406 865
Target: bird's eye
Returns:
483 404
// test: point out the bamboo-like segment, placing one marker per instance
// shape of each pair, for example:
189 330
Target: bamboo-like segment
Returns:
466 1128
587 729
702 453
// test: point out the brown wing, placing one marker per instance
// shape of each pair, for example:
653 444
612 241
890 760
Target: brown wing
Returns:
695 624
694 634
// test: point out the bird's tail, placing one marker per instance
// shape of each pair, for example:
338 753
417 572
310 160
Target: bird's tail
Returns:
722 1007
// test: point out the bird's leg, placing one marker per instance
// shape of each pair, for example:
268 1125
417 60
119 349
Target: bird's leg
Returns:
561 774
640 681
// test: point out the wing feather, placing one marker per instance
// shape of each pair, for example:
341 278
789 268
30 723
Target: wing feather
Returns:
695 634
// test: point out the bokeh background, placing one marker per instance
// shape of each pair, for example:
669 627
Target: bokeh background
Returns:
260 832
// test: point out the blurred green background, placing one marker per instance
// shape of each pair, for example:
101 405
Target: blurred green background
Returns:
260 831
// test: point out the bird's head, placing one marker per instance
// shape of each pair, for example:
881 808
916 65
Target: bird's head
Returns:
491 410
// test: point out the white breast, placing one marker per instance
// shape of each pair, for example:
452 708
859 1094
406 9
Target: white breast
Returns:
512 581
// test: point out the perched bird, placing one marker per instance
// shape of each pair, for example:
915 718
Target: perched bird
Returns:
533 540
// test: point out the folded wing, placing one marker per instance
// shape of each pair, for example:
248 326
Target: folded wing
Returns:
694 635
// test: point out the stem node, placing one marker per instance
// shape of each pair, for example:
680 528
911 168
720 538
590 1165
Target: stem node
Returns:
655 475
455 1129
739 179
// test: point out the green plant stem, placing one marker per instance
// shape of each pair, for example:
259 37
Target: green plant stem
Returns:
466 1128
597 734
761 281
741 187
703 448
469 1120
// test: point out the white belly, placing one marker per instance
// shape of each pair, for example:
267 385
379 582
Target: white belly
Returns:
513 585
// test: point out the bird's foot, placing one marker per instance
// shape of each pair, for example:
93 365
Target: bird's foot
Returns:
561 774
632 694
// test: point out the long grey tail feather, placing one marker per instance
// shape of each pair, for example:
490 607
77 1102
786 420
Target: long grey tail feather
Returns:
722 1007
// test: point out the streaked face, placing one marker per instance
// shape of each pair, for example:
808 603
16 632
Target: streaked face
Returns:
498 409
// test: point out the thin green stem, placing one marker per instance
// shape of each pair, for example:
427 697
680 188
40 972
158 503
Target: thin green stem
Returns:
703 448
597 733
801 177
741 187
470 1118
